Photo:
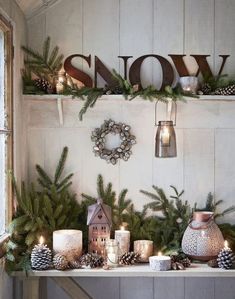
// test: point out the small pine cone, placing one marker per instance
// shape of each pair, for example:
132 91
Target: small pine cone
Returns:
41 257
225 258
180 259
177 266
206 88
92 260
44 85
60 262
74 264
129 258
213 263
226 91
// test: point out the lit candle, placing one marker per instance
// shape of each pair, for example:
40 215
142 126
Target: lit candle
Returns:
144 248
160 262
41 240
165 136
41 251
226 245
60 83
203 243
112 253
122 236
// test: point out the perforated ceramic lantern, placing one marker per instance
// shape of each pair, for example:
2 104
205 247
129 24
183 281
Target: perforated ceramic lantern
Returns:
202 239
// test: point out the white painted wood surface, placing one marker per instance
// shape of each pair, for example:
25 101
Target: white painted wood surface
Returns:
195 270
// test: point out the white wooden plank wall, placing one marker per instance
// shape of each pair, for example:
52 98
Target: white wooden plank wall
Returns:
205 130
138 27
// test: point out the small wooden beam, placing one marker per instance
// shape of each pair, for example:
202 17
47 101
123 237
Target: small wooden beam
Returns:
31 288
72 288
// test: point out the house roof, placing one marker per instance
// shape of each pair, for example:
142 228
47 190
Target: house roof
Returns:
94 209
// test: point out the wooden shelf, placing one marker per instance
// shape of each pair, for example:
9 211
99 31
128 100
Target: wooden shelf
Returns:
196 270
47 97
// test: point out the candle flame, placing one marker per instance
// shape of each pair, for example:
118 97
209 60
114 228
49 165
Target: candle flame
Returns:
41 240
159 253
122 227
226 244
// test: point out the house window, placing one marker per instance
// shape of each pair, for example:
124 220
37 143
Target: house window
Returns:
6 125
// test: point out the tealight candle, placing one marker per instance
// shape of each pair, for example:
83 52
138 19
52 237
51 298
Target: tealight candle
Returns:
160 262
68 242
122 236
144 248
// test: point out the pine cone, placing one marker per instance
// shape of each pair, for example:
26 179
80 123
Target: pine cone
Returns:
60 262
213 263
225 258
180 261
41 257
225 91
92 260
75 264
44 85
206 88
129 258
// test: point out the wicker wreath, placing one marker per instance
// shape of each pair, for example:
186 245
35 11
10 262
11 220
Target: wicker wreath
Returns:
123 151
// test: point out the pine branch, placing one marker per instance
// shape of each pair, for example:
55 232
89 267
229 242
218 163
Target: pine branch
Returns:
61 164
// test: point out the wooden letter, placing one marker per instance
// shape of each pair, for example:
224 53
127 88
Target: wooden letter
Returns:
125 58
202 62
167 70
76 73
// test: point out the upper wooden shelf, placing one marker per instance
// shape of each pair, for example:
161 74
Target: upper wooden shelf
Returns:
116 97
196 270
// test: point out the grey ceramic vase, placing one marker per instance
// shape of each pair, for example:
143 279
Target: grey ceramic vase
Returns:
202 239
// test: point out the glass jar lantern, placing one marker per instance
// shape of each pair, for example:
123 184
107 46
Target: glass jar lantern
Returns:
112 253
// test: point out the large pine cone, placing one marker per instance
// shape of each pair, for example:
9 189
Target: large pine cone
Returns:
41 257
225 91
225 258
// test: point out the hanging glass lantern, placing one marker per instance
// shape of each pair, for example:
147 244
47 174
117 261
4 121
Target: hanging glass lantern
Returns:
165 141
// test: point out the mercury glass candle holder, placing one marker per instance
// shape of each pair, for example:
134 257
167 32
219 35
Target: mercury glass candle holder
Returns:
68 242
144 248
160 263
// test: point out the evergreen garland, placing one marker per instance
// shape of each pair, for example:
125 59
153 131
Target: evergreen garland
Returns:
45 66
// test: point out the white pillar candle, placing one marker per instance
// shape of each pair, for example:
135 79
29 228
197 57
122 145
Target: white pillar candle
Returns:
68 242
160 263
144 248
122 236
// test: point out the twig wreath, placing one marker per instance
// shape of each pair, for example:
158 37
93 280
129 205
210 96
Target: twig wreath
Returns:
123 151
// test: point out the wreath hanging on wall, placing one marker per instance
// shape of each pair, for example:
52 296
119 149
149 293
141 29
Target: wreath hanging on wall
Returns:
123 151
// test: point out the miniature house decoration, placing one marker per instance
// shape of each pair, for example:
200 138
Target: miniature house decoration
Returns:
99 219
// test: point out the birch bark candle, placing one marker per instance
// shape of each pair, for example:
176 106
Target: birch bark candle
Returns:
122 236
68 242
160 262
144 248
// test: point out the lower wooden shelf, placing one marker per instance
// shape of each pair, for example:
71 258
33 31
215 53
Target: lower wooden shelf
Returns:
195 270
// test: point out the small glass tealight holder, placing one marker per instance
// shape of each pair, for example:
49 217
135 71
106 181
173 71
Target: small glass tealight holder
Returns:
112 251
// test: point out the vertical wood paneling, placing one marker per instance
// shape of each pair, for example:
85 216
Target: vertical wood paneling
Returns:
170 288
198 164
64 25
224 288
202 288
168 32
136 288
136 173
136 33
224 169
36 147
199 31
225 34
170 171
37 31
100 288
101 32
